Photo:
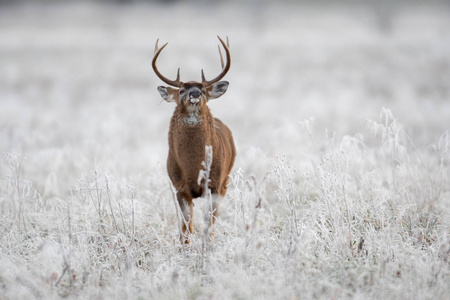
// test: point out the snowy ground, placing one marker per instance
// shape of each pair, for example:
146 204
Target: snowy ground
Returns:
340 114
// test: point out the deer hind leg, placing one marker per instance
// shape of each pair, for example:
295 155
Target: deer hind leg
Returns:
187 213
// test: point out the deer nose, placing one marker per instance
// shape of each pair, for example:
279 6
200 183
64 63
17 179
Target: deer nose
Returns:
194 94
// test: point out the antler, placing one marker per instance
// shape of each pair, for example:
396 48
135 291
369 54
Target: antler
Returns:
224 69
177 82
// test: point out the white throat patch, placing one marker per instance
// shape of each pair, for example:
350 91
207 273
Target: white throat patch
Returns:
193 117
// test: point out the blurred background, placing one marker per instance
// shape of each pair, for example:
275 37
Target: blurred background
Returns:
77 89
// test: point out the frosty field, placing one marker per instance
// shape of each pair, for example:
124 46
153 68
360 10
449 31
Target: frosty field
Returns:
341 118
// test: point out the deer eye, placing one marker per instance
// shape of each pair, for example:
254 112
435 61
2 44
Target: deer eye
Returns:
203 92
182 91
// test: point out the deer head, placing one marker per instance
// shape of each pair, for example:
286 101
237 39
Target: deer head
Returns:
193 95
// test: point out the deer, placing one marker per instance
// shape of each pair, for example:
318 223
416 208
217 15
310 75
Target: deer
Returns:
192 129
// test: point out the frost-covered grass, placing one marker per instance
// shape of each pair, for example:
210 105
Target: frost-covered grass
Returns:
341 185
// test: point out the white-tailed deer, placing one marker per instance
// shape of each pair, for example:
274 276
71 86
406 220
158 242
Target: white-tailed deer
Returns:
193 127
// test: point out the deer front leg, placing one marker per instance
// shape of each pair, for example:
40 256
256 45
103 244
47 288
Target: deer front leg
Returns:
214 212
187 213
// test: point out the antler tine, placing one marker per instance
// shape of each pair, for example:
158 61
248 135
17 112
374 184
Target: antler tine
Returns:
156 46
225 68
176 82
221 57
178 76
203 77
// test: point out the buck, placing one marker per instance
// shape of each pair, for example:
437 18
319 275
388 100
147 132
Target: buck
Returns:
192 128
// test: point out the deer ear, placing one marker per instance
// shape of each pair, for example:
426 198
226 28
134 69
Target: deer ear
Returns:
168 93
217 89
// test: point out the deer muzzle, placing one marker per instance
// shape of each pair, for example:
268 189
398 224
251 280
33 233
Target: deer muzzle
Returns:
194 96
